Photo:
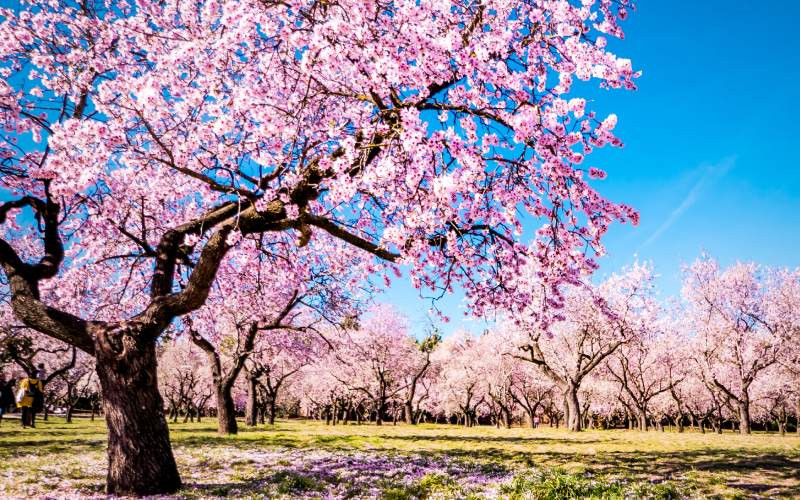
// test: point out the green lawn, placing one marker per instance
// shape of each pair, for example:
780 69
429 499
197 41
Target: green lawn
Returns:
302 458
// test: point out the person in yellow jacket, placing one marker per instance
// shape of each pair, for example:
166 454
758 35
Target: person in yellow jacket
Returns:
30 397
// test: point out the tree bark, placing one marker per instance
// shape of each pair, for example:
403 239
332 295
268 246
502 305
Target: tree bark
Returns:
272 410
744 416
642 419
140 460
408 413
573 407
797 417
250 412
226 412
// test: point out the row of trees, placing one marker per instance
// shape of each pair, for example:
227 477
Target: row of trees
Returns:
726 353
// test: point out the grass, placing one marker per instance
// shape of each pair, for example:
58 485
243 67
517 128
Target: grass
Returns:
303 458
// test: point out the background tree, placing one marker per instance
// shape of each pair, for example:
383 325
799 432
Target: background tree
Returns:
738 337
592 323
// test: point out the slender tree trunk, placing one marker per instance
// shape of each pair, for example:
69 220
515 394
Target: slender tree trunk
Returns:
379 413
272 410
140 459
69 413
797 417
251 411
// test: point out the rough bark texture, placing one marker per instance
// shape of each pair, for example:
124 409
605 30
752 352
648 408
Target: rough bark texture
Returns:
140 460
744 416
408 413
226 411
574 408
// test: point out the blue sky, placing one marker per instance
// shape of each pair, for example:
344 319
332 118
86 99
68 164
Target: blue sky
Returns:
710 157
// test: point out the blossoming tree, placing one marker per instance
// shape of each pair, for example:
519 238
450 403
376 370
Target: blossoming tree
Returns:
592 323
149 138
741 332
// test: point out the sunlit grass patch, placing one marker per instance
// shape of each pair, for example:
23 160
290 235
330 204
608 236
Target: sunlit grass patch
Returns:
426 461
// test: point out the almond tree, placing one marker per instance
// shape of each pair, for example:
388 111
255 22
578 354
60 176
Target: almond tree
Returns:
144 140
377 358
417 376
459 387
184 378
589 325
276 359
639 368
740 335
76 384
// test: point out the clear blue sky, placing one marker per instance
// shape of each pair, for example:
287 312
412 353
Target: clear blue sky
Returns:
710 157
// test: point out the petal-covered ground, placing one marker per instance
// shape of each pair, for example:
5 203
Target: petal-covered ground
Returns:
310 460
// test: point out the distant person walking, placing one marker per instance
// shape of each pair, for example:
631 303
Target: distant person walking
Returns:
6 395
30 398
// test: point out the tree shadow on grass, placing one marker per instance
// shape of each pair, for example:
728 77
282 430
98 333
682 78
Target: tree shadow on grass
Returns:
751 472
44 447
490 439
215 440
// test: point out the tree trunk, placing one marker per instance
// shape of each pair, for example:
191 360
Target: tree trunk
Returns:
641 417
408 413
272 410
251 412
506 418
226 412
140 460
797 417
69 414
379 413
573 407
679 424
744 416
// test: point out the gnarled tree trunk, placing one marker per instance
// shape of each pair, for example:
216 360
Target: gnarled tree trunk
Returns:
226 411
140 460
